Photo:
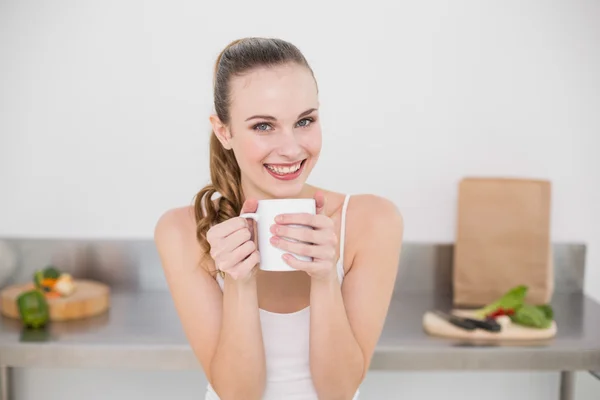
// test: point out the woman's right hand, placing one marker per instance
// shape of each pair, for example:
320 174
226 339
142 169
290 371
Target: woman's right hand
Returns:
231 245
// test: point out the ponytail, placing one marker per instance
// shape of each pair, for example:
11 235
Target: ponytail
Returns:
226 181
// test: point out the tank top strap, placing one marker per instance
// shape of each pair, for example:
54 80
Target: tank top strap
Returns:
340 264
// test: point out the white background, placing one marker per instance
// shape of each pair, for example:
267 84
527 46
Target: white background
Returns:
104 125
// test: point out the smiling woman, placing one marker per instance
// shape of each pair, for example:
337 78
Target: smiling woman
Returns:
305 334
270 122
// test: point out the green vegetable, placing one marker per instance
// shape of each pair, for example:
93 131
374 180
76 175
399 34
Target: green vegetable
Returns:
51 272
33 309
512 300
548 311
38 277
533 316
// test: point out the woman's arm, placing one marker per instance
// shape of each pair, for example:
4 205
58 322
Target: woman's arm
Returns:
223 329
346 321
238 366
337 361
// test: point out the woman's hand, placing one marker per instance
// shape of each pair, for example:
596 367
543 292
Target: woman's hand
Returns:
231 245
320 242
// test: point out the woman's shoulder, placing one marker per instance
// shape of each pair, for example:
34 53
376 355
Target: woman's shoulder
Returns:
176 227
179 219
371 217
366 209
374 208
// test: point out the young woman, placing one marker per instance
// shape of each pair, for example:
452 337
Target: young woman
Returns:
303 334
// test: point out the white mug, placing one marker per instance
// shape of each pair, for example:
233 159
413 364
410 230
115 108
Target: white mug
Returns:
271 256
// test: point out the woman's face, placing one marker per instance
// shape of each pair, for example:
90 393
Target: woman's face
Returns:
274 129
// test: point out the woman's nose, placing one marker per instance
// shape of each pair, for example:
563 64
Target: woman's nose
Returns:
289 146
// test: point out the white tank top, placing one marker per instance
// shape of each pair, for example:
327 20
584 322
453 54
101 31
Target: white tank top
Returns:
286 339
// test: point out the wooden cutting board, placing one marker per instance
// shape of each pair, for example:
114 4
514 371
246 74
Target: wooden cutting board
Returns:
89 298
437 326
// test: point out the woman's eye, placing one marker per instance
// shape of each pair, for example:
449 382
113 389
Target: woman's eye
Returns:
305 122
262 127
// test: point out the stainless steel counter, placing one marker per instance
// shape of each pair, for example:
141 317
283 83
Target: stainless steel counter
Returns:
142 330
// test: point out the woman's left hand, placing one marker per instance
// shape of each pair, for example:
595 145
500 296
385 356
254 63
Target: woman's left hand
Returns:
319 243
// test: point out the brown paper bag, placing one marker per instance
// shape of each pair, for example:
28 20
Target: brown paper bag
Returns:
503 240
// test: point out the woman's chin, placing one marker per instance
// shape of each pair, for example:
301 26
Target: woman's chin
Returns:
285 193
282 190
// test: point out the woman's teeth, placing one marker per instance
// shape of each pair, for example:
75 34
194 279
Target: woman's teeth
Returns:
284 170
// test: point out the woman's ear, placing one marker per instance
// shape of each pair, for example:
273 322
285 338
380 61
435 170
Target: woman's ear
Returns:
221 131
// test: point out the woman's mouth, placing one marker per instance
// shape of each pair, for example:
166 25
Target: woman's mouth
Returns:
286 172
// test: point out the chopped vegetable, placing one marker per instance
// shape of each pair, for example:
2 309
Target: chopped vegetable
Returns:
38 277
53 282
51 272
512 300
500 312
512 305
64 285
46 277
532 316
548 311
47 282
33 309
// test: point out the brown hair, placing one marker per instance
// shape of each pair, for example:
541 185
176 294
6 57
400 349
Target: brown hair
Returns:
239 57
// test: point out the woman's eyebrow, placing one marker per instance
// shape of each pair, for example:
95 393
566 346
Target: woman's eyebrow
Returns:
271 118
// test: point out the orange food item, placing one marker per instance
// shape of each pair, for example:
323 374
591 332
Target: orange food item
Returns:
48 282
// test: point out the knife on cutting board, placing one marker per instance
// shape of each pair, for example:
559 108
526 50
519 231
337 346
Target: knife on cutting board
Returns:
470 324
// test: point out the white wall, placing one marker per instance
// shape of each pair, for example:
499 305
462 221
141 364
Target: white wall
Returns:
104 105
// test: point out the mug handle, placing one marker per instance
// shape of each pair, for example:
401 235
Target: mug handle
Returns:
253 233
253 216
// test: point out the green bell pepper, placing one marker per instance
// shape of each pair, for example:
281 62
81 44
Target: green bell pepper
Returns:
33 309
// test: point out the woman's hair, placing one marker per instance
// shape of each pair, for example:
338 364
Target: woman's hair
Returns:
239 57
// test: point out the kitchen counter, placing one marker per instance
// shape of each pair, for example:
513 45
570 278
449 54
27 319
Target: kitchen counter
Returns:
142 330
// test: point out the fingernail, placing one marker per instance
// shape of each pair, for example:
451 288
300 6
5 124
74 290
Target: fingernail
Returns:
274 239
275 228
279 218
